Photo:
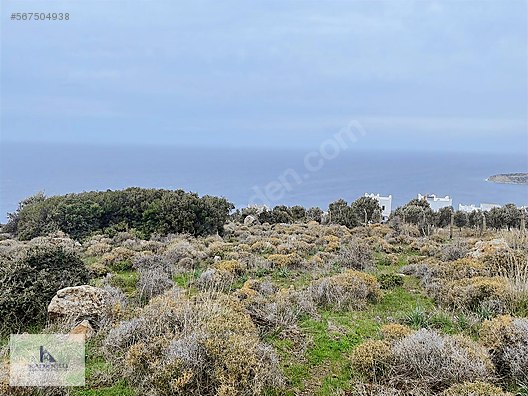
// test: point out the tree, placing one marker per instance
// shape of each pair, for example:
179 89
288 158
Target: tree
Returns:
417 212
512 216
341 213
461 219
146 210
298 213
364 208
281 214
495 218
475 218
314 214
444 216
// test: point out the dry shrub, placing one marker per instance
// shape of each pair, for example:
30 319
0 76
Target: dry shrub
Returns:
415 259
372 359
179 249
149 260
257 263
426 247
118 259
98 249
187 263
513 266
280 310
357 254
507 339
454 250
248 290
395 331
462 268
213 279
98 269
219 248
332 243
381 244
292 260
201 345
10 248
507 263
262 247
428 271
475 389
346 290
232 266
389 259
152 282
361 389
427 359
475 293
515 239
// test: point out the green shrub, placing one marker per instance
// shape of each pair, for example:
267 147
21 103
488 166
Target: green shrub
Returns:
30 280
147 210
390 281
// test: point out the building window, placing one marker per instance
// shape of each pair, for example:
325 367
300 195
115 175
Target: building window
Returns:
383 207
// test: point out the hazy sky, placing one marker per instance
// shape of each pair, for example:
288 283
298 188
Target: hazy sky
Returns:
420 74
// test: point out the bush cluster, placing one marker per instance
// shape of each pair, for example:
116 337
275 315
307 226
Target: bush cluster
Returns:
507 339
147 210
346 290
30 279
201 345
424 360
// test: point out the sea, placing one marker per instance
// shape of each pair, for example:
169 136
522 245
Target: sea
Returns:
258 176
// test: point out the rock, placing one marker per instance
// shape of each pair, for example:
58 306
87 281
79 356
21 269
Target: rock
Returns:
80 302
84 328
250 220
487 247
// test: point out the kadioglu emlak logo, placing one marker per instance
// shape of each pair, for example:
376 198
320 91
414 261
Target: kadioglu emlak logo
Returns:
46 360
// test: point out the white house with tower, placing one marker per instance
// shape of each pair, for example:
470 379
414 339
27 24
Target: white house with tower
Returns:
384 202
484 207
435 202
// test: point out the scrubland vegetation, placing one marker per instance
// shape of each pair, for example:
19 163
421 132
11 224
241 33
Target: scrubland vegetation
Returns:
278 302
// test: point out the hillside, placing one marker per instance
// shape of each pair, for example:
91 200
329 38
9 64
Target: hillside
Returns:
509 178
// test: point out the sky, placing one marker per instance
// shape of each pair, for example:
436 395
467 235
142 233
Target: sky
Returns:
417 75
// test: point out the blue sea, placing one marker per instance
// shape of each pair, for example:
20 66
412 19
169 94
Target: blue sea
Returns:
260 176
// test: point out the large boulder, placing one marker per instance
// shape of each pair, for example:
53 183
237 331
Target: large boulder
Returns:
79 303
84 328
250 220
483 248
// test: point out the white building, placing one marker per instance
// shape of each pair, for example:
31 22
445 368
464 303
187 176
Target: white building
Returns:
484 207
385 203
435 202
487 206
468 208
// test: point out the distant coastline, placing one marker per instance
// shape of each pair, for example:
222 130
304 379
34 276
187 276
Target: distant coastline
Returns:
509 178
